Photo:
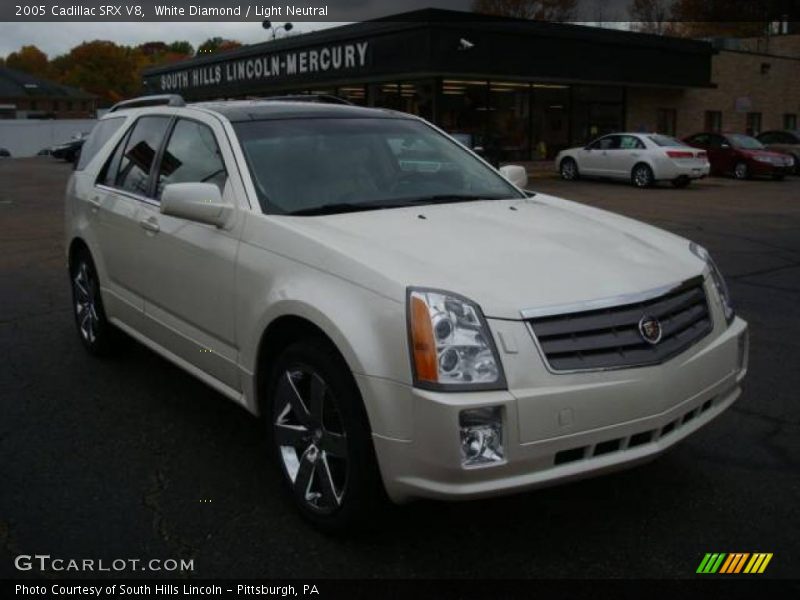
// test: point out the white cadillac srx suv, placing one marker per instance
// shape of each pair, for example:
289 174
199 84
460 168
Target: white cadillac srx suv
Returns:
407 321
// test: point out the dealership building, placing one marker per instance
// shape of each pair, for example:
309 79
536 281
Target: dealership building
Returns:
527 88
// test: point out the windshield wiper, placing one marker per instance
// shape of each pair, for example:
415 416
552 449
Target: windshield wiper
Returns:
340 207
449 198
347 207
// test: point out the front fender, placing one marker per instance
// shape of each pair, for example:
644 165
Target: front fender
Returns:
368 329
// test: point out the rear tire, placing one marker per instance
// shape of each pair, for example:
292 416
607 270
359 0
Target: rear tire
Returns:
96 333
569 170
642 176
320 438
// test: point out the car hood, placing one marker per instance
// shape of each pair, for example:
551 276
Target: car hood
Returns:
506 255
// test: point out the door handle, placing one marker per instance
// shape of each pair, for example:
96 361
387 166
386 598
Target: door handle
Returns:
150 224
94 204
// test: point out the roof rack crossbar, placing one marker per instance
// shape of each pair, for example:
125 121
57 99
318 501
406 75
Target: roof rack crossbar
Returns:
320 98
156 100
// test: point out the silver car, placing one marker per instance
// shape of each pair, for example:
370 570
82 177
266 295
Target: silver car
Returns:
641 158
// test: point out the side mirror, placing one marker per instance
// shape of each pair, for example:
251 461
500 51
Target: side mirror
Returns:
201 202
515 174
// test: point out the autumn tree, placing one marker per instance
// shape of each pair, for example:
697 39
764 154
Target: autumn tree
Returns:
29 59
217 44
102 68
541 10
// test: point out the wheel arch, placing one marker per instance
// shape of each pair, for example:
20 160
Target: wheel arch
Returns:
76 246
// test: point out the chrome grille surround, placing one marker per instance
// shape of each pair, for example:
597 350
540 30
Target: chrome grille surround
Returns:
604 334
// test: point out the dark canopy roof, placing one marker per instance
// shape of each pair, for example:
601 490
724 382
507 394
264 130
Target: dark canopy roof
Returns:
16 84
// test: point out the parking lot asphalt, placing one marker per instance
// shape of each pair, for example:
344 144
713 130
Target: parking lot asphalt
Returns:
132 457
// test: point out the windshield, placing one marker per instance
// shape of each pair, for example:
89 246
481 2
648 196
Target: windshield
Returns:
745 141
320 165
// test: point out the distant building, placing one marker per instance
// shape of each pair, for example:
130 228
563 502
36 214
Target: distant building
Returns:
526 88
23 96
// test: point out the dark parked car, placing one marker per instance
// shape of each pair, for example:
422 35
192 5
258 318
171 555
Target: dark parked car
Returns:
741 155
69 151
4 153
787 141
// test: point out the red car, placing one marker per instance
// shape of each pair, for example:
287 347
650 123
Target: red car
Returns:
741 155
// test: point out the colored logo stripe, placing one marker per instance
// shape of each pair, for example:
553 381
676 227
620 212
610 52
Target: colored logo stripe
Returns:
721 562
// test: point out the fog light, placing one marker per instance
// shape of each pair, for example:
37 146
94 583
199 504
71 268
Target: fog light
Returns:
481 436
743 344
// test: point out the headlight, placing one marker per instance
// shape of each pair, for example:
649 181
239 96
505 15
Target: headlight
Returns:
451 346
717 278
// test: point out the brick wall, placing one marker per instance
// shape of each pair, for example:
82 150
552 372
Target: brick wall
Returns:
738 75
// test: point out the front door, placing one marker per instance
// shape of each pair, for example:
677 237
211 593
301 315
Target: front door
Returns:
189 284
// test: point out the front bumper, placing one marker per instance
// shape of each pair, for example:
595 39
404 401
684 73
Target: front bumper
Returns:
758 167
558 427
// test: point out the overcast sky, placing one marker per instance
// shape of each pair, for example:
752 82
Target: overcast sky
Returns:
57 38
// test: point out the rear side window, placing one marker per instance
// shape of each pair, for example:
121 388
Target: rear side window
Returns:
191 155
101 133
140 153
668 141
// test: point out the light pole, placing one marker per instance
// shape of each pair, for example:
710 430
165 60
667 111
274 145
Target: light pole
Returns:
267 24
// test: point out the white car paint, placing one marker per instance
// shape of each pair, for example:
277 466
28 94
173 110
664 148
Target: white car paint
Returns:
615 156
203 296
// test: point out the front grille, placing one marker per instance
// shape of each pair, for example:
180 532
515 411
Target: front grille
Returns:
609 338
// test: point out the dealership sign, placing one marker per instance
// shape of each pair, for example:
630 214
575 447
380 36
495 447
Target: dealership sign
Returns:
279 65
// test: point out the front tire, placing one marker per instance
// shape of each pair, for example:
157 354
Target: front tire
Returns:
642 176
97 335
320 438
741 171
569 170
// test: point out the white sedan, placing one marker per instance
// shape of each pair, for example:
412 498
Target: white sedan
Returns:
643 158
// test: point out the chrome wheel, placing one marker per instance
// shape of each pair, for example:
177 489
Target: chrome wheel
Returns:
642 176
85 293
740 170
569 170
311 439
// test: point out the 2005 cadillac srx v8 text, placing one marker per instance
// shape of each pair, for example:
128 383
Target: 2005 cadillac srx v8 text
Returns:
407 320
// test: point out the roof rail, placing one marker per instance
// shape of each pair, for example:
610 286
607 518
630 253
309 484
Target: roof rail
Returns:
157 100
318 98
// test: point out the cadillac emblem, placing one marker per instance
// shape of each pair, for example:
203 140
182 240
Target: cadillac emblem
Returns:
650 329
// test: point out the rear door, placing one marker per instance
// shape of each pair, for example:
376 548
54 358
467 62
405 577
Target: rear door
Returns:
626 155
115 205
189 267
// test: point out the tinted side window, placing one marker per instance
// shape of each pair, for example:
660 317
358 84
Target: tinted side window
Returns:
109 172
139 154
700 139
101 133
192 155
610 142
628 142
